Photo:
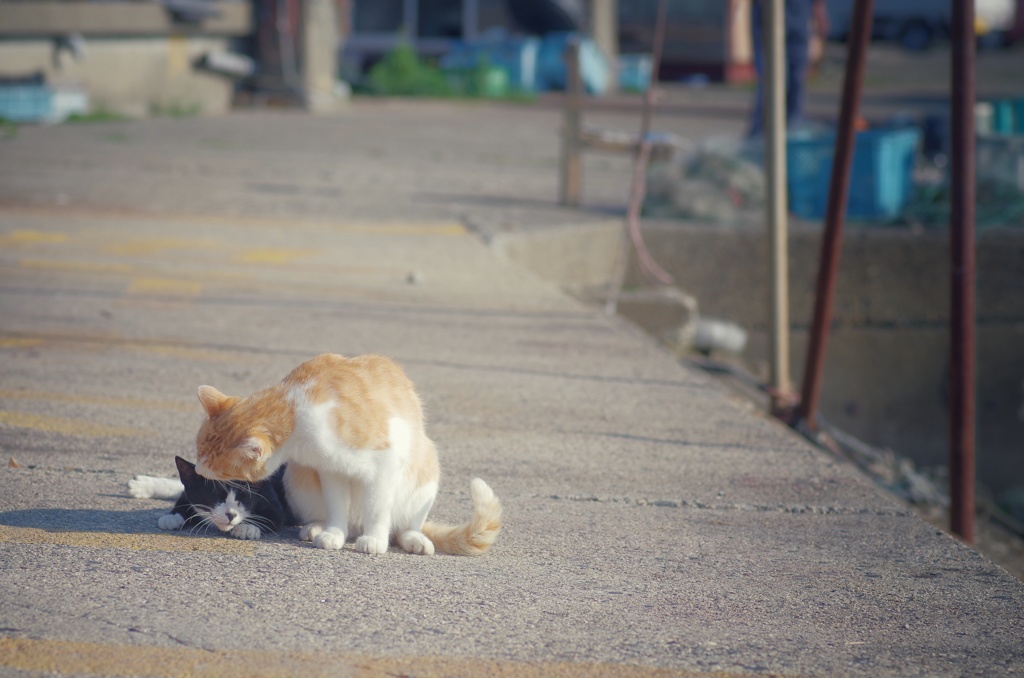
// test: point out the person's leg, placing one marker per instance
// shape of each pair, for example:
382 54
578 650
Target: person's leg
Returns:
757 34
798 43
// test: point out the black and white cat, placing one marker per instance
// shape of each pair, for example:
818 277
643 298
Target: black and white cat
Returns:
243 510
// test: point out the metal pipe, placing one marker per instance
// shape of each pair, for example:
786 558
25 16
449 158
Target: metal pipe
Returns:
835 215
631 235
774 111
961 229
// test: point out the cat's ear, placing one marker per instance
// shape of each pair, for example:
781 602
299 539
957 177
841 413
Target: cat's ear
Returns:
186 469
213 401
252 449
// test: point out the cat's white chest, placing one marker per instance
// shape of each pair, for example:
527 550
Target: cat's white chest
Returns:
315 443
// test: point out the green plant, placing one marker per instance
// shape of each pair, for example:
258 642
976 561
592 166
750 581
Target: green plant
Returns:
8 129
482 80
175 109
403 73
99 115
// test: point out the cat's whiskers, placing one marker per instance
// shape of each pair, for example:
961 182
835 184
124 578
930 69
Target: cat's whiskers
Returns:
245 510
262 522
254 493
236 485
203 524
205 515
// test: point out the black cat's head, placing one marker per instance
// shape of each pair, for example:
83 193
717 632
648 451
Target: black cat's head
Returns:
223 504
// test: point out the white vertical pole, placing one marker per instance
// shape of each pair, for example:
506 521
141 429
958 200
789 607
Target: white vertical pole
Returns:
605 29
774 107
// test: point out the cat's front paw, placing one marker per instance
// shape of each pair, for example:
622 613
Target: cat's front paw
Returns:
171 521
152 487
138 487
416 543
310 531
331 539
374 545
245 531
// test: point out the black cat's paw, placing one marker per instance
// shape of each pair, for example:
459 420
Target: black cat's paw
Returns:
245 531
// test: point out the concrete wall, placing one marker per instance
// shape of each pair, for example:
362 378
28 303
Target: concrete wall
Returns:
570 256
887 374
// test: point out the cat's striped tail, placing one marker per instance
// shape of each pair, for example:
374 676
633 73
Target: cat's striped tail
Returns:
476 536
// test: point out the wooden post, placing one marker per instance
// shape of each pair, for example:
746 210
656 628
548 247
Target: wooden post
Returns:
319 58
572 161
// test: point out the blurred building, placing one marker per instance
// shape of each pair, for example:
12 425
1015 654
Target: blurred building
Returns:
708 37
138 57
131 58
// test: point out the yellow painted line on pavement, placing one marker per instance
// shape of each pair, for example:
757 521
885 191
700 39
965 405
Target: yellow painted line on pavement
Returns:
101 342
58 396
427 228
124 269
91 342
70 427
19 342
133 542
151 246
186 353
165 286
65 657
31 238
76 266
277 256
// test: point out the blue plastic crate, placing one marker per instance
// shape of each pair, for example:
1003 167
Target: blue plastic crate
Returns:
635 72
1007 116
881 177
1002 116
516 56
1000 158
25 103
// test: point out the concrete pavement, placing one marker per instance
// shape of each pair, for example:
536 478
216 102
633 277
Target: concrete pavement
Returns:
655 525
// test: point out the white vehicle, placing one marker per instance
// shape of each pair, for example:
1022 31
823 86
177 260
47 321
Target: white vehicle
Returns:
916 24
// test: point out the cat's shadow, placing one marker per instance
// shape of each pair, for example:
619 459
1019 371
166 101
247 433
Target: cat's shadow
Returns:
84 520
139 521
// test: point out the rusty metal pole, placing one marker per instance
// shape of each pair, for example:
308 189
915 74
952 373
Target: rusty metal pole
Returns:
961 231
631 237
835 215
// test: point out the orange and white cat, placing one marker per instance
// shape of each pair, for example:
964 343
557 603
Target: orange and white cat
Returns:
359 459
